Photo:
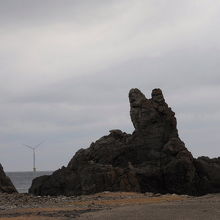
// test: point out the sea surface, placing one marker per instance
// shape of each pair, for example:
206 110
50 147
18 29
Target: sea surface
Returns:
22 180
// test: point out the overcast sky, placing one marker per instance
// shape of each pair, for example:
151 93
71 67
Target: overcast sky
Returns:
66 67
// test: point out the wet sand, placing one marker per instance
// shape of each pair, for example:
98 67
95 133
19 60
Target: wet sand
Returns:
204 208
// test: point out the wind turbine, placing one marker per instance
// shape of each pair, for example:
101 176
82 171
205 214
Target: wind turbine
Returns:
33 148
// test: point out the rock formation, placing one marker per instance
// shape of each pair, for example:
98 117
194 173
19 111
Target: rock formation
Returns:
152 159
6 185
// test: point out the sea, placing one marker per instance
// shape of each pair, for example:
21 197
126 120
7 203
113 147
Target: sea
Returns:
22 180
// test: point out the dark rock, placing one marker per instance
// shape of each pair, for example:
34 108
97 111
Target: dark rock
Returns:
152 159
6 185
209 174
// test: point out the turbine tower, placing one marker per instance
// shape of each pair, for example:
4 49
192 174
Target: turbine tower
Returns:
33 148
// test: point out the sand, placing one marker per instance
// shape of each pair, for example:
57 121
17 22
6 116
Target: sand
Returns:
112 206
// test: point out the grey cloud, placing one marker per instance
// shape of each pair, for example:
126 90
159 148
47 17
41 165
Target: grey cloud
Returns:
30 12
67 67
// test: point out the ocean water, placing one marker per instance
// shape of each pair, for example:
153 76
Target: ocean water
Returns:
22 180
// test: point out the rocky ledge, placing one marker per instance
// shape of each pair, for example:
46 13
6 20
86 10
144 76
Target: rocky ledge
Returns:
152 159
6 185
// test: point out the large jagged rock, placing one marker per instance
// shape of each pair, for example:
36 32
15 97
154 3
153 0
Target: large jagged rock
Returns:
6 185
152 159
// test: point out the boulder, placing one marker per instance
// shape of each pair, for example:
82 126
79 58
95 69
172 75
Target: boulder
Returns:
6 185
208 171
151 159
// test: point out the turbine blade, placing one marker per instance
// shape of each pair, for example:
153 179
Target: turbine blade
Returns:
38 145
28 146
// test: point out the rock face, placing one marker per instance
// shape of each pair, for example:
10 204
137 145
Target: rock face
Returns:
152 159
6 185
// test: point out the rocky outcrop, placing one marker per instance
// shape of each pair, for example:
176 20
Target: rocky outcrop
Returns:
152 159
6 185
209 174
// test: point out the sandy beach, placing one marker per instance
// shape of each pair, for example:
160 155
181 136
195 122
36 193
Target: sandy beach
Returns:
111 206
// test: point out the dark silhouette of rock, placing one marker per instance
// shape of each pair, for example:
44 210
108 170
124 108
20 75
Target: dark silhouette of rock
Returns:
152 159
6 185
209 174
